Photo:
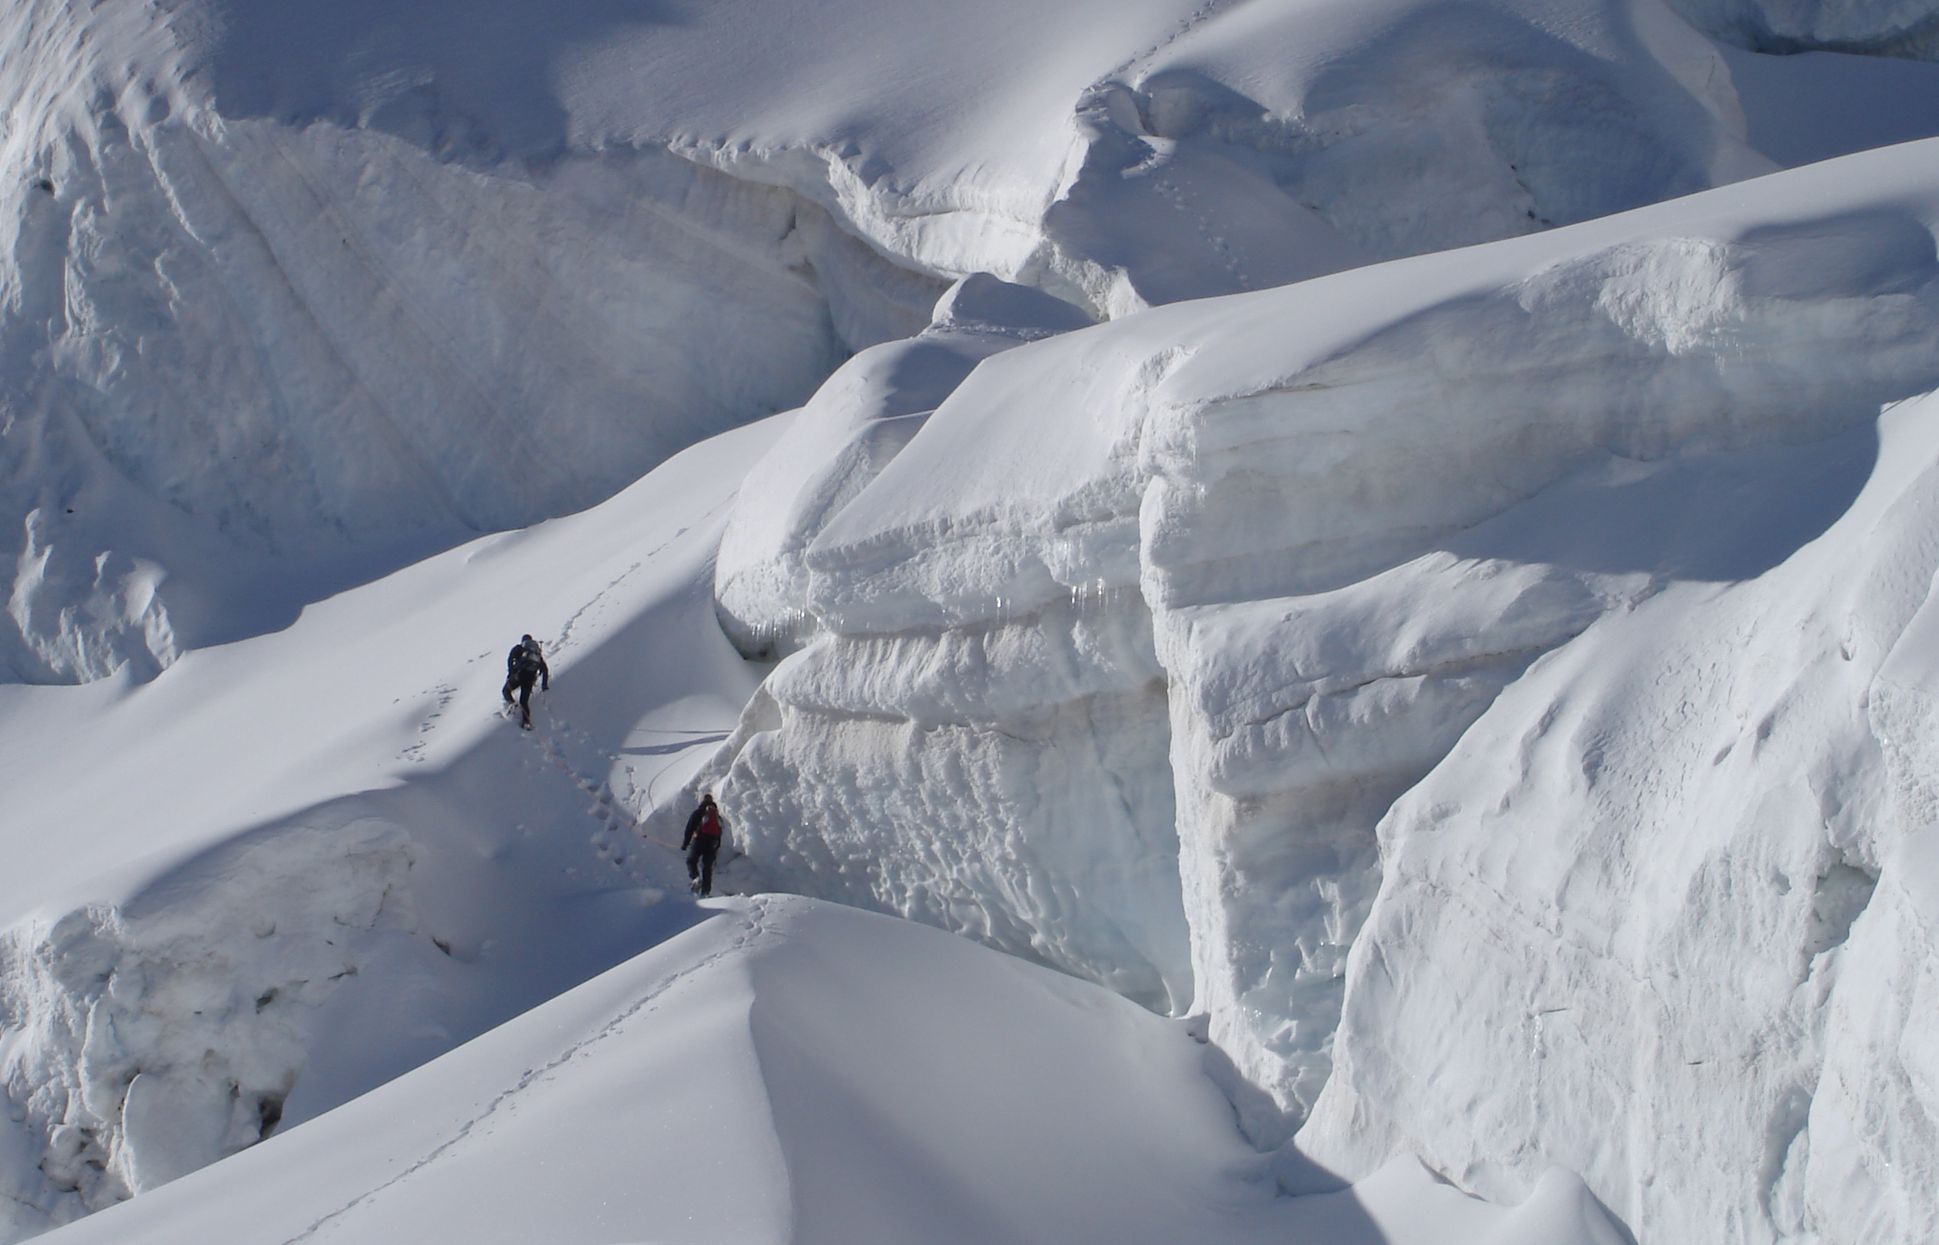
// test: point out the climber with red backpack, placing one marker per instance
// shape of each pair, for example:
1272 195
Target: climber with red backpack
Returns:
702 844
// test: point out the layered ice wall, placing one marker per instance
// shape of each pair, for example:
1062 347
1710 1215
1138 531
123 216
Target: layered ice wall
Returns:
853 427
1341 594
1249 570
302 290
138 1045
1667 897
228 338
335 343
1007 707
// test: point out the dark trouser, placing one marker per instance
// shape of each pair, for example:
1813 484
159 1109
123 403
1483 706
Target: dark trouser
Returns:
523 682
700 860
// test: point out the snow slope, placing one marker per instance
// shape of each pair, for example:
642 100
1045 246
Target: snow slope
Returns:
290 868
261 895
307 291
714 1089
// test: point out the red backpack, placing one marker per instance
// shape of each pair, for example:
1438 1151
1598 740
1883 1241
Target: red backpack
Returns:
709 822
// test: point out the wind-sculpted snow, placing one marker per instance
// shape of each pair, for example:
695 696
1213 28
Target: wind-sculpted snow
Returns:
856 423
334 343
1253 568
296 292
1683 850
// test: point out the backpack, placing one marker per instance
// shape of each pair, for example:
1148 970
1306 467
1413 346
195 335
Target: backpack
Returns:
526 659
709 822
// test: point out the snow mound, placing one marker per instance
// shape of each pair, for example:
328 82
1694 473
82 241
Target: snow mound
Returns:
855 424
713 1089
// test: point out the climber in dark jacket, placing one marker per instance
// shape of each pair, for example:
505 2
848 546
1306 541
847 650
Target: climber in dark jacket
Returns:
702 844
524 666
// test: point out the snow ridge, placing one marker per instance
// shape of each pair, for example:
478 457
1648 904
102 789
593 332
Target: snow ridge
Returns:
752 919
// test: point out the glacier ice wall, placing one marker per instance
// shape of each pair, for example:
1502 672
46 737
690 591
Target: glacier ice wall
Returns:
232 341
857 421
1039 693
290 294
293 342
1661 893
1265 569
139 1044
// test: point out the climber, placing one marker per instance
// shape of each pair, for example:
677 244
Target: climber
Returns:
525 665
702 844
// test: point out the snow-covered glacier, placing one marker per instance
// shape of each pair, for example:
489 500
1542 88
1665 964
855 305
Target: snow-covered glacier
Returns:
291 294
1392 663
1668 877
1319 580
236 335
